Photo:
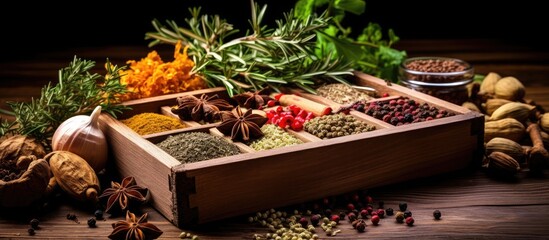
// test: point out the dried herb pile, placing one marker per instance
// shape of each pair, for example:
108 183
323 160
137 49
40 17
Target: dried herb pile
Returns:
197 146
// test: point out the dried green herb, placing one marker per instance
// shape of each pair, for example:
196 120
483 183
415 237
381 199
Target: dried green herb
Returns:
274 137
197 146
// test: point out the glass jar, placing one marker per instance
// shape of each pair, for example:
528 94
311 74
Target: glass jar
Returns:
444 78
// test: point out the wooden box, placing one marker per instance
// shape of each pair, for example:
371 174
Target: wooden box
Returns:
209 190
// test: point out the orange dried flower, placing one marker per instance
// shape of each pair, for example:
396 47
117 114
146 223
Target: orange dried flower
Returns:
152 77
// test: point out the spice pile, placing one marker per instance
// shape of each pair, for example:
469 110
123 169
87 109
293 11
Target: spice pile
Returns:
337 125
197 146
274 137
153 77
149 123
400 111
8 170
342 93
435 65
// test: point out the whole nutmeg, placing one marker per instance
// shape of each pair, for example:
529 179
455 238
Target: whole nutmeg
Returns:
509 88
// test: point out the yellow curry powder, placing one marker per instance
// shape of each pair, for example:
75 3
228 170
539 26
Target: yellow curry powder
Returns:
149 123
152 77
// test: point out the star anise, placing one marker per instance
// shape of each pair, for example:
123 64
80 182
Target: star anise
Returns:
120 196
254 100
205 108
133 228
241 126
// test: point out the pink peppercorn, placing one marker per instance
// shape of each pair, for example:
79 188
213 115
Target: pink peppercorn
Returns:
409 221
375 220
381 213
335 218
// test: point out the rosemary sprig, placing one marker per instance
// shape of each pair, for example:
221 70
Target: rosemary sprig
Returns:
77 92
265 57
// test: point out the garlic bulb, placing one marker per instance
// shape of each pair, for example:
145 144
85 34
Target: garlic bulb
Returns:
82 136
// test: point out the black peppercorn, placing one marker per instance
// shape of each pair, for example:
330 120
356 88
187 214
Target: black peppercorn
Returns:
407 214
437 214
402 206
34 223
91 222
31 231
71 216
98 214
342 215
389 211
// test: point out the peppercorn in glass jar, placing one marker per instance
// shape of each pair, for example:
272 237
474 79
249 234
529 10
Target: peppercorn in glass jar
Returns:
444 78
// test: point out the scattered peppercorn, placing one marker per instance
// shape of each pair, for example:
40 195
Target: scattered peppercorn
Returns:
351 216
315 219
34 223
342 215
389 211
402 206
364 213
409 221
375 220
31 231
407 214
335 218
381 213
437 214
303 221
350 207
72 217
91 222
98 214
399 216
360 225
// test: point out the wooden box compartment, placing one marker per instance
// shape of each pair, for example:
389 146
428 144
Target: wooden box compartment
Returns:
205 191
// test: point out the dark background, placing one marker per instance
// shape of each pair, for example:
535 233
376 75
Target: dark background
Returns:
30 28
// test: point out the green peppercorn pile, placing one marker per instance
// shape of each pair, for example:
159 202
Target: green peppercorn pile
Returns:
274 137
337 125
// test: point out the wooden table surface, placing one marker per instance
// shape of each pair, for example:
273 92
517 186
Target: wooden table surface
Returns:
473 205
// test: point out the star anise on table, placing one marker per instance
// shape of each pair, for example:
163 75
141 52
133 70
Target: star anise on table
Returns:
121 196
205 108
134 228
241 126
254 100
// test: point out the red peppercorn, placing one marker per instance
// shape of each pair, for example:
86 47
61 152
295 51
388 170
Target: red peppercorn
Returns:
364 213
335 218
381 213
303 221
385 95
315 219
297 125
409 221
350 207
375 220
277 96
271 103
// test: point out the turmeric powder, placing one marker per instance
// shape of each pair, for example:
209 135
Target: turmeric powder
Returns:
149 123
152 77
